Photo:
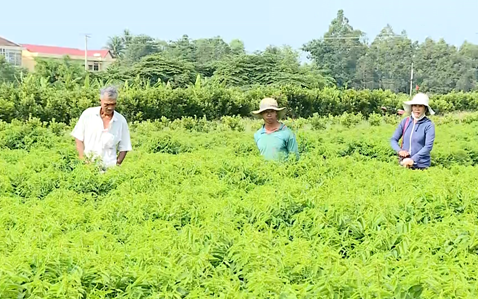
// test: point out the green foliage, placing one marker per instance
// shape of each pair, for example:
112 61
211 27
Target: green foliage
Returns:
375 119
342 57
201 214
157 68
339 50
179 61
10 73
233 123
140 46
273 67
318 123
386 62
349 120
66 72
140 100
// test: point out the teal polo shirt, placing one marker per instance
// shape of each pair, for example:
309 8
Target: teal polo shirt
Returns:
278 144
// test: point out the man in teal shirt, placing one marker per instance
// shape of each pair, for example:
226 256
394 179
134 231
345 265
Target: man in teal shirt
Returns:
274 140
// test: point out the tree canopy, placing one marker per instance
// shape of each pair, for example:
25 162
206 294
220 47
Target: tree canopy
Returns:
341 57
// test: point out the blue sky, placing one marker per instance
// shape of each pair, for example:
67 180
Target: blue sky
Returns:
258 23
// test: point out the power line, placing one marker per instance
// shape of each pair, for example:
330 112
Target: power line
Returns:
343 37
358 37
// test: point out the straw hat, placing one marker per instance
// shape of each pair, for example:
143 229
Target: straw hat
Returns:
418 99
269 104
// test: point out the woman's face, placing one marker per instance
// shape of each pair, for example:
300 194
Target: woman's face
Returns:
418 110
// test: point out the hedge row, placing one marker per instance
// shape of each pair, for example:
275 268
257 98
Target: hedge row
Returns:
139 103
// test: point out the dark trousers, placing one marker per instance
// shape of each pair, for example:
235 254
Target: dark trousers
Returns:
419 168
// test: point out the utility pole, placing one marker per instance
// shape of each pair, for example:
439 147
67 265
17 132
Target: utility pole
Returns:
86 51
411 80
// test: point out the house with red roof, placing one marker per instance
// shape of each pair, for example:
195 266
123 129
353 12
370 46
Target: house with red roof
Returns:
11 51
97 59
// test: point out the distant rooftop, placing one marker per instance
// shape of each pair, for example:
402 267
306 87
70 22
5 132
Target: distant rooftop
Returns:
64 51
6 42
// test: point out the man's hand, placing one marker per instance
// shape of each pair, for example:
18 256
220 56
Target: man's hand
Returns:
403 154
120 158
80 148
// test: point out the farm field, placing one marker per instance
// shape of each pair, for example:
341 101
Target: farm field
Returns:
195 212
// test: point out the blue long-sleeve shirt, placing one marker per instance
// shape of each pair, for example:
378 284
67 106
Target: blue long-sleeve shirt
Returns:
418 140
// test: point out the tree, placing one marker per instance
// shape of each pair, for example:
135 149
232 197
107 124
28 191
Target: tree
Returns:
437 66
341 57
208 52
237 47
339 50
126 38
468 54
116 46
275 66
210 49
387 62
246 70
141 46
288 59
182 48
155 68
366 72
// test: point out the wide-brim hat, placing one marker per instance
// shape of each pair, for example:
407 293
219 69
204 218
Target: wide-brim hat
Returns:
418 99
269 104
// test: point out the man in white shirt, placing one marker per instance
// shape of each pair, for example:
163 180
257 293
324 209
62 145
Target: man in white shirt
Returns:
101 131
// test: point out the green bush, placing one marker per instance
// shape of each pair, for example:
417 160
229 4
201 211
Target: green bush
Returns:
375 119
318 123
141 102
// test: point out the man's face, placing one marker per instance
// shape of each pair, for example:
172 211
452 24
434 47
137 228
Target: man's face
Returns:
269 116
108 105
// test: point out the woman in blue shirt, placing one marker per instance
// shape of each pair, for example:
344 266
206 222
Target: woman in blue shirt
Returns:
274 140
417 132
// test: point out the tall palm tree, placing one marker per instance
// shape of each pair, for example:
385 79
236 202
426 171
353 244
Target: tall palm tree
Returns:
116 45
126 38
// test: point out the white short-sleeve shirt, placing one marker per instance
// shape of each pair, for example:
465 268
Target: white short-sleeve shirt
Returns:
100 142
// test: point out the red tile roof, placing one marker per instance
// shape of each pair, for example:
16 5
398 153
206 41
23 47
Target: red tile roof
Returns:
6 42
63 51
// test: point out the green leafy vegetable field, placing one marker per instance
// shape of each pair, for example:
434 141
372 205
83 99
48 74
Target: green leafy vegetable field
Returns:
195 212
